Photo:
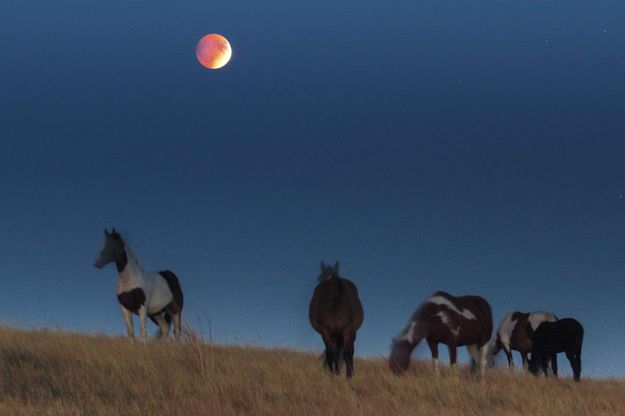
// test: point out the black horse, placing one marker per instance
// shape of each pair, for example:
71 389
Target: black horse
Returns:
550 338
336 313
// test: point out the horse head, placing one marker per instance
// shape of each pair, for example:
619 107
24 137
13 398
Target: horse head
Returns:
328 271
399 360
112 249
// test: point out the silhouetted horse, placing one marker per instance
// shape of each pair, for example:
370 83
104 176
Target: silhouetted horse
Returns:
443 318
550 338
336 313
515 333
156 295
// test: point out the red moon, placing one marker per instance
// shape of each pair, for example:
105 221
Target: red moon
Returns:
213 51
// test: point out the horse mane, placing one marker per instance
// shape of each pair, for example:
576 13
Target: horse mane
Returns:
130 254
323 277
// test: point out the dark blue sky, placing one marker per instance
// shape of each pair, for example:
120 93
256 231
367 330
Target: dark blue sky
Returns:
473 147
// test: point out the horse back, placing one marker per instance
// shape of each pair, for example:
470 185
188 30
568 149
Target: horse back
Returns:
558 336
335 305
465 319
483 314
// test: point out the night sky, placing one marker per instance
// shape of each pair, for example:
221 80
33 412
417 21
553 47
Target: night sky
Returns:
472 147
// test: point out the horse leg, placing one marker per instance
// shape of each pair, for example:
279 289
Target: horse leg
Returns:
434 349
162 324
339 350
348 351
474 352
331 350
554 364
525 361
129 324
483 360
452 354
544 363
508 351
576 363
142 317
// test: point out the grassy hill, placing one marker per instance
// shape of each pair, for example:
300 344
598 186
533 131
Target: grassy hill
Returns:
53 373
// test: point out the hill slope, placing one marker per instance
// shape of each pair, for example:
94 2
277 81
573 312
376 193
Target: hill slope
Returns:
52 373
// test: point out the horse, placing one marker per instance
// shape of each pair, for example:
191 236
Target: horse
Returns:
336 313
515 333
156 295
454 321
550 338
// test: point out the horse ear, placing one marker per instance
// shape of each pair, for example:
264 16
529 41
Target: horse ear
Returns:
336 267
113 231
106 233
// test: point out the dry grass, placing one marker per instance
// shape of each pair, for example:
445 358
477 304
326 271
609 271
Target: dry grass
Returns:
52 373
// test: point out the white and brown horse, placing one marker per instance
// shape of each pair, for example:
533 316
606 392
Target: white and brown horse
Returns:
156 295
454 321
515 333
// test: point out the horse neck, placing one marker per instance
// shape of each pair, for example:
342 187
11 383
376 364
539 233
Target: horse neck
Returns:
132 267
333 289
412 334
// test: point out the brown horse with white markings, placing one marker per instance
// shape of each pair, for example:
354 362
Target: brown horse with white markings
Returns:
454 321
336 313
515 333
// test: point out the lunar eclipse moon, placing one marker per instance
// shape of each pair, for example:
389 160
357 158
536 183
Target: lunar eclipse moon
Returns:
213 51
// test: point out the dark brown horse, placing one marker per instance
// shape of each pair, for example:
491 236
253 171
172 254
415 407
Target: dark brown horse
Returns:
336 313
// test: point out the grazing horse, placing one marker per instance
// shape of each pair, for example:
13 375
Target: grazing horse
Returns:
156 295
550 338
447 319
515 333
336 313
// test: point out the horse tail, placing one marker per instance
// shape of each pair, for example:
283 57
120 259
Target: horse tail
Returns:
176 291
340 344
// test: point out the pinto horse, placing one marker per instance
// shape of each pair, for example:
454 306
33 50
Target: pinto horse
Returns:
550 338
156 295
515 333
336 313
454 321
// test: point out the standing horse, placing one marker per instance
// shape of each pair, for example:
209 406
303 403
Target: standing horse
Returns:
550 338
156 295
336 313
515 333
443 318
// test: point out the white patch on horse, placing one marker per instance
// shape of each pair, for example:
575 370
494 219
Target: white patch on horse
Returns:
440 300
444 318
408 333
537 318
446 321
505 329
